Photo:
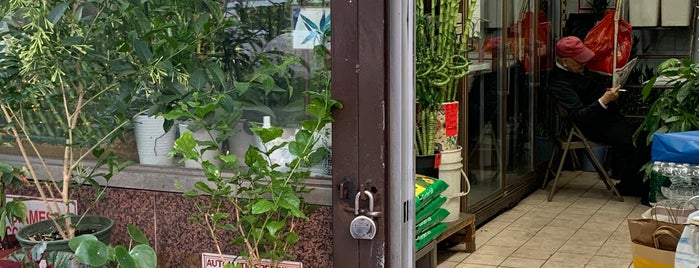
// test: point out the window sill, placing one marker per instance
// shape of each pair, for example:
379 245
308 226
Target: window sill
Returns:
159 178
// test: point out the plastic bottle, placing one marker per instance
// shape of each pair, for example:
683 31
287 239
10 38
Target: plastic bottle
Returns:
656 180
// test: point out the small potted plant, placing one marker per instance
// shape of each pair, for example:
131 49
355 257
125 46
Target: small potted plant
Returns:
179 45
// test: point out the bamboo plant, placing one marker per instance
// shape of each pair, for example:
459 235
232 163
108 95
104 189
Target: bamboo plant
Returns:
441 63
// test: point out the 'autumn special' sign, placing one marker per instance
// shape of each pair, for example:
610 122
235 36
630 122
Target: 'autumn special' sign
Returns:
211 260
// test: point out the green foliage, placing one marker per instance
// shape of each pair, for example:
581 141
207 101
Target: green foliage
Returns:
440 63
267 198
87 249
15 210
677 108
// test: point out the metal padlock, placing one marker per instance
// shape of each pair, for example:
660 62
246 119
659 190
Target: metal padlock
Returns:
363 227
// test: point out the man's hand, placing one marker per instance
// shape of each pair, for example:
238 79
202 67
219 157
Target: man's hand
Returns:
610 95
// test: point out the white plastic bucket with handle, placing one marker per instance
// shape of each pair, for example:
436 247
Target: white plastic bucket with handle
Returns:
451 172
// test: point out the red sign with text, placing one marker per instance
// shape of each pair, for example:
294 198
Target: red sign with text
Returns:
451 118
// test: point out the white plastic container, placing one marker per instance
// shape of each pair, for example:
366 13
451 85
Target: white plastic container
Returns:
644 13
450 171
152 142
676 12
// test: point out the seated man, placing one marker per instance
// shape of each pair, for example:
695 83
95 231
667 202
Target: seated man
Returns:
593 108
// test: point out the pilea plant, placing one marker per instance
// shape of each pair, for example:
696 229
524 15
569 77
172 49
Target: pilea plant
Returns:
89 250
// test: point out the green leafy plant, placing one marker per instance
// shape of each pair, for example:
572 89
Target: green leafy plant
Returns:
266 198
672 110
676 109
262 201
65 59
15 210
89 250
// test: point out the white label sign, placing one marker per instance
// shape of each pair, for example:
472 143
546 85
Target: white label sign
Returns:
211 260
37 211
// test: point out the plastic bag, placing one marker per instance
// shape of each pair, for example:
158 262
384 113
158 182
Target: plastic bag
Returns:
687 251
600 39
542 39
679 147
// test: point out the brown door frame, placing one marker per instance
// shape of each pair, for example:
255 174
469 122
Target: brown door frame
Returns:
359 133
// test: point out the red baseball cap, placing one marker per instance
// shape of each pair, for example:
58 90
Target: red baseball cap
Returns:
572 47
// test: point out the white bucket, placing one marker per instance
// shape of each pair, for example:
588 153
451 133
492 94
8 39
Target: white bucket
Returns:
202 135
152 142
450 171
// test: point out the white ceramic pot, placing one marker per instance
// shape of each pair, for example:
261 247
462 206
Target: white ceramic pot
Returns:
152 142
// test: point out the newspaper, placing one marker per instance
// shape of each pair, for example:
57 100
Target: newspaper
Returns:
622 74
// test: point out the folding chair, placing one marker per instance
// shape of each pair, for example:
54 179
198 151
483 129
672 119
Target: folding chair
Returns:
569 137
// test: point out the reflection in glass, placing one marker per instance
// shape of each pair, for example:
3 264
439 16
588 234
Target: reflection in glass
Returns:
286 45
510 56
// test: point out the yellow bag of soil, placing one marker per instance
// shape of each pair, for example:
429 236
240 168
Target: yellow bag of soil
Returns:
430 208
431 220
424 238
427 189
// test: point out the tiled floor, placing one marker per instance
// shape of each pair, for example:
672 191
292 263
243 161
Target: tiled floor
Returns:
584 226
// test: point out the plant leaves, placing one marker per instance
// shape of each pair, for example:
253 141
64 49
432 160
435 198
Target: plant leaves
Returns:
74 242
262 206
268 134
123 258
136 234
144 256
274 226
214 69
92 252
57 12
142 50
201 186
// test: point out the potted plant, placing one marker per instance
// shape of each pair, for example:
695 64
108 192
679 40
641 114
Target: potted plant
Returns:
91 251
64 65
677 108
440 65
179 43
672 110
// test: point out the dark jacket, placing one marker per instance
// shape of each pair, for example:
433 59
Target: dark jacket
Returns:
578 94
